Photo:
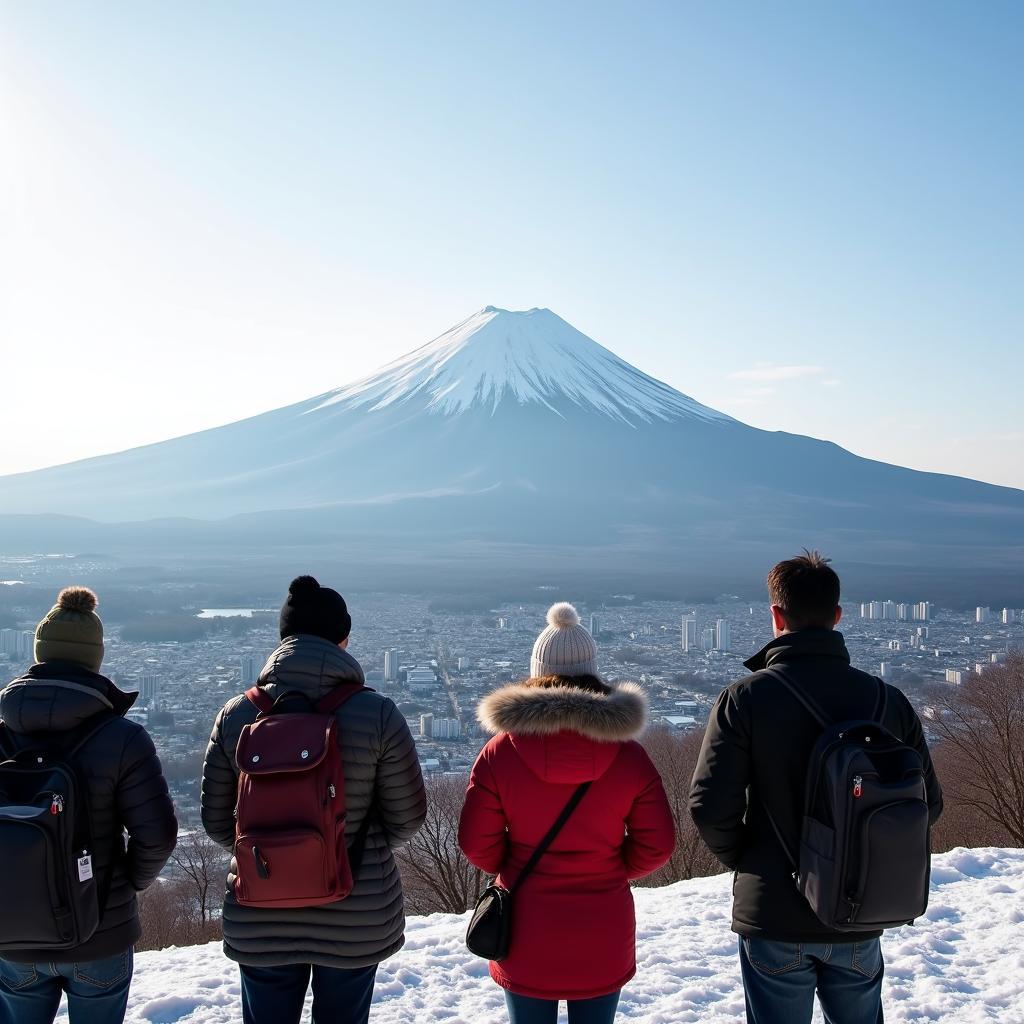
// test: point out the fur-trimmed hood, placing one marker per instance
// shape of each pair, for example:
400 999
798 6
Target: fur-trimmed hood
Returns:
529 710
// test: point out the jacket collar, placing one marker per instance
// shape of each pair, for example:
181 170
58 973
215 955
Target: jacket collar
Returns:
544 710
804 643
56 696
308 665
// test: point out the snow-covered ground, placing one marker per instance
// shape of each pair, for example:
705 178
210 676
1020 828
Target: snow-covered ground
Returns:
963 963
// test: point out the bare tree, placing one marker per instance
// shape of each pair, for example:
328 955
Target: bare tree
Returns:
981 725
203 864
675 756
436 876
169 916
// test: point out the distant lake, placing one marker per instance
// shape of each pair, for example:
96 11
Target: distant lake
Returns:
233 613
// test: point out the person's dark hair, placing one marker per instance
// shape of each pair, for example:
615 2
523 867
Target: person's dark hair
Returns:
806 588
589 683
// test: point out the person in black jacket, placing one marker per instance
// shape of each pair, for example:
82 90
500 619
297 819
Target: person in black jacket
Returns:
752 771
59 699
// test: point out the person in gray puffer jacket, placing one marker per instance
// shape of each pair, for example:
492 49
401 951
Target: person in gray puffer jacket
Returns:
339 943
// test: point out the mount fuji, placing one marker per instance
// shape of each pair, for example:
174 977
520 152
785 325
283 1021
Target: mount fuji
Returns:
510 439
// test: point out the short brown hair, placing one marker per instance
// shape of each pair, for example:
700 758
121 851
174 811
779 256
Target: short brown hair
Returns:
806 588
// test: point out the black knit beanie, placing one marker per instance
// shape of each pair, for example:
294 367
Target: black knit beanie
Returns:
315 610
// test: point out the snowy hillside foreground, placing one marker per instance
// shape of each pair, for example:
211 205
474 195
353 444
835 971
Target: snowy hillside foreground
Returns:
963 963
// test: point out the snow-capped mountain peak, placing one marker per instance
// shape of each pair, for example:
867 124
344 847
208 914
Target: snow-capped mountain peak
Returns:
529 356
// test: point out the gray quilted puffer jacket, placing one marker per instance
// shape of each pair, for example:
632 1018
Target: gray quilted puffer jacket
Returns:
379 754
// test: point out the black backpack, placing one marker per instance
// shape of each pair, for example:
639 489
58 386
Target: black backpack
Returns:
865 854
50 895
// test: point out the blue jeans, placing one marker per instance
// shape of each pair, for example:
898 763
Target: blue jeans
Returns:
780 978
97 990
524 1010
274 995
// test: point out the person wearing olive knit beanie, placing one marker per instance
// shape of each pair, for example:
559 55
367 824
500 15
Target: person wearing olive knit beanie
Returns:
63 705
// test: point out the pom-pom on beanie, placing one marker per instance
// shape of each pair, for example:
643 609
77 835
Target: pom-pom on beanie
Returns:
71 630
565 648
314 610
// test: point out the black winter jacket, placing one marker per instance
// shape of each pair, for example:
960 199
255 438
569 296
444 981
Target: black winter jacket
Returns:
125 786
381 765
755 754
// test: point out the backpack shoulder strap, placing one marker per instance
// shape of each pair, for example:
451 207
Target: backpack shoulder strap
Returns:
542 846
89 730
7 748
881 703
809 703
330 703
260 698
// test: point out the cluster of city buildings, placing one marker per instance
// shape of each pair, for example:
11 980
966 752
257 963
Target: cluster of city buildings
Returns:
437 664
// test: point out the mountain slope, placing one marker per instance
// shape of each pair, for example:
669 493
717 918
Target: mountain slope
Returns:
517 438
959 964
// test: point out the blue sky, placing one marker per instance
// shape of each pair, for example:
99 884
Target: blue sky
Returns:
808 215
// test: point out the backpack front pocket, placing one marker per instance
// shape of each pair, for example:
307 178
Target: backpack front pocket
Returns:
282 868
28 871
894 865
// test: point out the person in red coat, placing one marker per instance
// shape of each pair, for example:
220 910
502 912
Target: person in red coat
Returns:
574 929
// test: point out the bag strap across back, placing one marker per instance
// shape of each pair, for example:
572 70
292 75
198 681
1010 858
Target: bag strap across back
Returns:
542 846
815 709
818 714
56 743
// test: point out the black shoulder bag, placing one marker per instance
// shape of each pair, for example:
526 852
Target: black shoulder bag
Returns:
490 927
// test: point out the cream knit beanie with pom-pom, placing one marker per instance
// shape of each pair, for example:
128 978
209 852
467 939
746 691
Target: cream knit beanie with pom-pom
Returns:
565 648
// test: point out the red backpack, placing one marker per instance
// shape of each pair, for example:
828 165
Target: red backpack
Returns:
290 847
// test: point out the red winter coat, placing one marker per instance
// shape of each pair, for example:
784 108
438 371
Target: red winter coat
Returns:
574 929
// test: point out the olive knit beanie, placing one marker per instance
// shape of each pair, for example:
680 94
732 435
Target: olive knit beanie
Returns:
315 610
71 630
565 648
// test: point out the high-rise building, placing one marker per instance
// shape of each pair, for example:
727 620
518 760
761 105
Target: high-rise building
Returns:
954 676
889 610
447 728
149 690
421 680
723 638
427 726
1008 616
895 645
707 638
922 611
390 665
875 610
982 614
884 669
595 625
689 633
9 642
249 669
903 612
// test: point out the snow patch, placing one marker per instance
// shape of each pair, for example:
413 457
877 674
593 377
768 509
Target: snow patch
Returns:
532 356
962 963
